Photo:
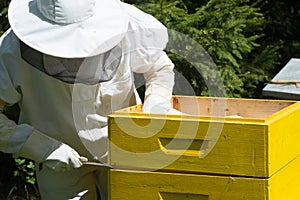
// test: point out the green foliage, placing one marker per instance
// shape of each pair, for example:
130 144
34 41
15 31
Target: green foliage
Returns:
231 29
24 186
17 179
3 16
283 25
25 170
230 32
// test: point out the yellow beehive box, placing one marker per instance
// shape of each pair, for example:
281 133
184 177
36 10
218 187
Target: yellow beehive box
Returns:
132 185
243 137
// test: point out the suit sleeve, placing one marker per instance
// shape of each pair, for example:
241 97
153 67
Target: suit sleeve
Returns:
17 139
148 38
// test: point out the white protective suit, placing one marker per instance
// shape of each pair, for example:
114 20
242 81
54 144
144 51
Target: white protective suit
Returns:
55 112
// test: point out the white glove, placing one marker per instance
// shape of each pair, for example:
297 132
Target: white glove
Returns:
64 158
52 153
158 105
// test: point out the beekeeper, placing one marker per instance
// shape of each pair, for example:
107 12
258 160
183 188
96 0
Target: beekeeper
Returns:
68 64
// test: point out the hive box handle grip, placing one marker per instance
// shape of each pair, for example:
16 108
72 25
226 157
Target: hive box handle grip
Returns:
183 146
181 196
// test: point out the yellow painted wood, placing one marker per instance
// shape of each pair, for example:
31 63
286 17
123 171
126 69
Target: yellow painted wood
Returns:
283 137
132 185
285 183
210 139
239 150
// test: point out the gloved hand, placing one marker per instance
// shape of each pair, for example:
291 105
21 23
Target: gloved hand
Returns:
64 158
52 153
158 105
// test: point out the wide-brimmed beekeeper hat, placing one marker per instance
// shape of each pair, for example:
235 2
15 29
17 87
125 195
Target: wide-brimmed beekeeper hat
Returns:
68 28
